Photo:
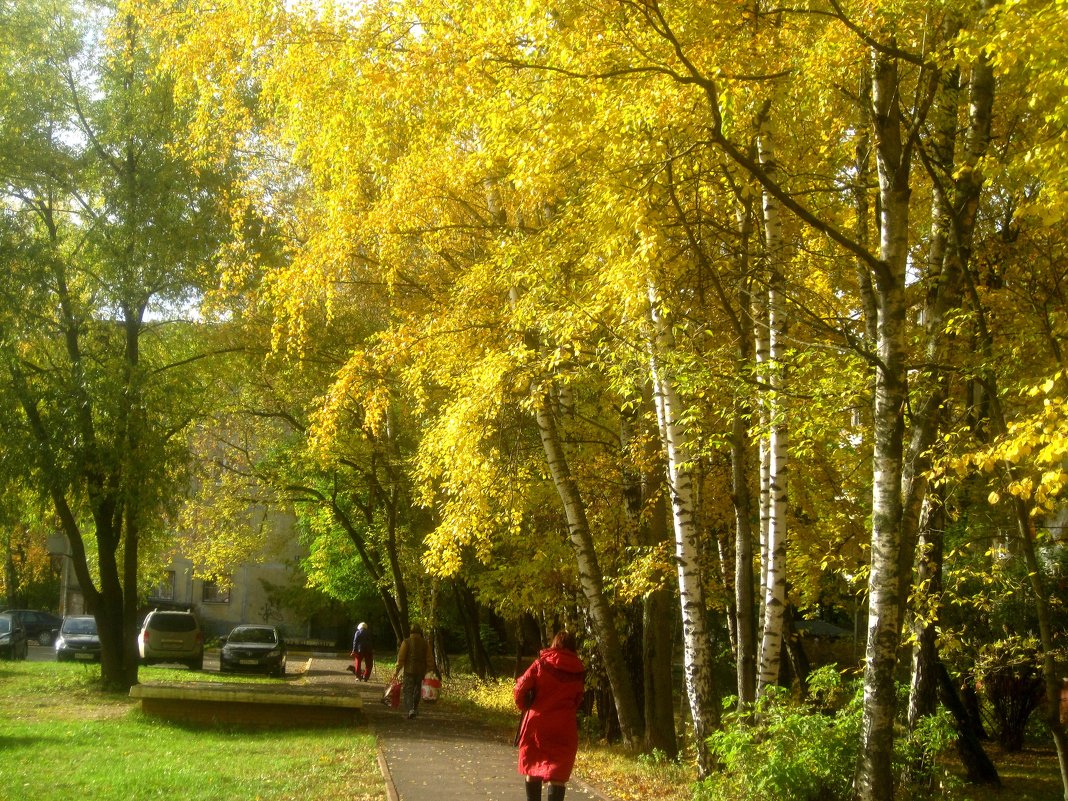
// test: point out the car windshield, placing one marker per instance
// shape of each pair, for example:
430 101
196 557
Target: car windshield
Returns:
79 625
252 635
5 625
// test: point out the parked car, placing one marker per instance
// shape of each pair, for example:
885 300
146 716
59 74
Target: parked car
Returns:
78 640
13 642
168 636
254 648
40 626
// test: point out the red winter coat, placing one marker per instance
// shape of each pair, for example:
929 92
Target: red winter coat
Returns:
548 739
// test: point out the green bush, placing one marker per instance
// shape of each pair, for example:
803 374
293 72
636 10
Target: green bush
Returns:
792 752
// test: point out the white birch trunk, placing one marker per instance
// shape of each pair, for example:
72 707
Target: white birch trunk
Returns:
778 457
697 642
874 780
762 343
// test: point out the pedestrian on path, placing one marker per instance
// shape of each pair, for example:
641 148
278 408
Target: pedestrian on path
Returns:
550 693
363 653
413 663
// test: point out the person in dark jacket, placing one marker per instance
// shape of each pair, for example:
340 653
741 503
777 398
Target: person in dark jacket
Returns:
414 661
363 653
550 692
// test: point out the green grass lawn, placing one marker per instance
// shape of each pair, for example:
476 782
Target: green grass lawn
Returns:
61 739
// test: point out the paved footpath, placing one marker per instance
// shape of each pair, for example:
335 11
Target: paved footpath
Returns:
440 755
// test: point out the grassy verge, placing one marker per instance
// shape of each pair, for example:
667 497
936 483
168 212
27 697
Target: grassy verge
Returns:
62 738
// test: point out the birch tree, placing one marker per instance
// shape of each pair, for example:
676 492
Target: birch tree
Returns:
697 651
775 495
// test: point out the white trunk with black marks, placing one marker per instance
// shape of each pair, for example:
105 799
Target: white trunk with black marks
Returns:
778 457
762 348
696 639
874 779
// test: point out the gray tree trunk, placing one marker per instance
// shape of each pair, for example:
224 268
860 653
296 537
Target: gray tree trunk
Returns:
646 504
591 579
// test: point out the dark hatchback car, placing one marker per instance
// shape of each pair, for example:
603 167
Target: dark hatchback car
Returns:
254 648
40 626
13 642
78 640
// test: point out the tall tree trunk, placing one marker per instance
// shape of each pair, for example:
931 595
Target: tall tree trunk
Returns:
647 509
1050 672
398 615
110 606
1025 530
968 187
739 311
744 600
874 778
778 456
923 691
476 650
762 353
590 577
696 638
977 765
130 653
659 686
930 679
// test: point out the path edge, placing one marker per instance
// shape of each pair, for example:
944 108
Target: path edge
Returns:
383 767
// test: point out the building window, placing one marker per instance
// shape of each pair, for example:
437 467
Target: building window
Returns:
164 591
214 594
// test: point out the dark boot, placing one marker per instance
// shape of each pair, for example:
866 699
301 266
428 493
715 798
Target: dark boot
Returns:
556 792
533 789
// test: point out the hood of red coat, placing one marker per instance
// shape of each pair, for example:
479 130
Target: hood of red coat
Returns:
566 661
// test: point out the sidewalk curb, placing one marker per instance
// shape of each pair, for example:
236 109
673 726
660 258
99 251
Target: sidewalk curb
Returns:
383 767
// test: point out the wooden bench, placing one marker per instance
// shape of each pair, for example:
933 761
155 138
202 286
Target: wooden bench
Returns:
249 704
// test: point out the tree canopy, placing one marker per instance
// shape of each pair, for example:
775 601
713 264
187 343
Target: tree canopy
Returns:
589 308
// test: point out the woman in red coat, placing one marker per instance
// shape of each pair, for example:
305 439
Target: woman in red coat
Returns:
550 691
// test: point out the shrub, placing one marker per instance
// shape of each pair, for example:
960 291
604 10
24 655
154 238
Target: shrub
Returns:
793 752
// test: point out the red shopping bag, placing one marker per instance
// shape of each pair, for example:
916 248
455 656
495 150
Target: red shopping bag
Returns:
392 694
431 687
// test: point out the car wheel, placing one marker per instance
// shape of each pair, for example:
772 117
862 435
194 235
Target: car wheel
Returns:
44 638
196 664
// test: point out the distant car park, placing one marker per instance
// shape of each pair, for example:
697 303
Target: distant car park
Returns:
13 641
39 626
78 640
168 636
254 648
